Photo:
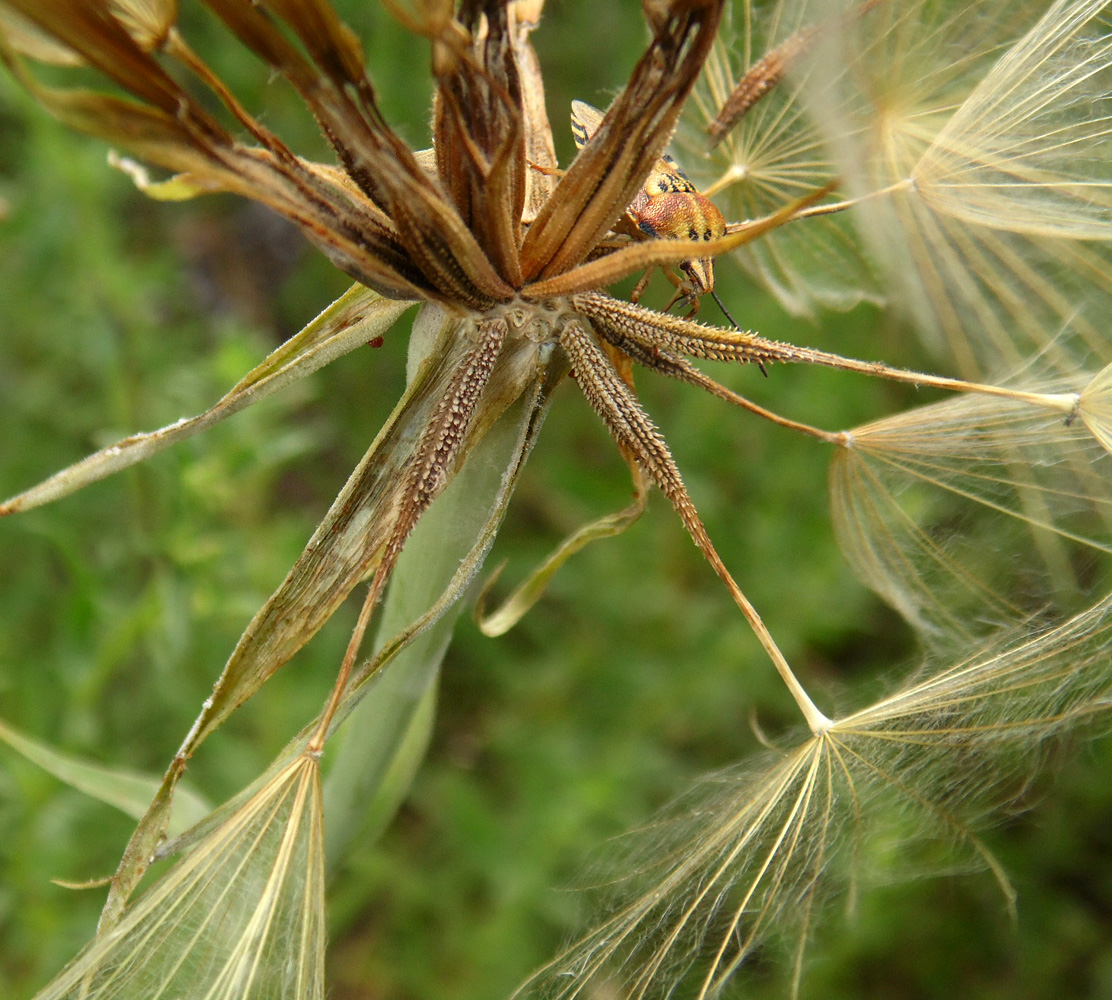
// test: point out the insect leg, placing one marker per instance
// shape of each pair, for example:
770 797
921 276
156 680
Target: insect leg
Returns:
642 284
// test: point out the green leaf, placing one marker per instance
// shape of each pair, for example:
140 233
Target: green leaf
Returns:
128 791
355 317
529 591
383 744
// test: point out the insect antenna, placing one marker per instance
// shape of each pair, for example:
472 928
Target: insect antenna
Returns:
733 322
725 311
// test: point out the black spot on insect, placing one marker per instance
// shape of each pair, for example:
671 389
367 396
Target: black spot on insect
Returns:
663 185
692 235
706 235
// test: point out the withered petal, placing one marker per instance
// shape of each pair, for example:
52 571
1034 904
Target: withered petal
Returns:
609 169
90 29
479 135
341 98
540 152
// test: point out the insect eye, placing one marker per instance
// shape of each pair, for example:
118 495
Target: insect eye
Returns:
686 266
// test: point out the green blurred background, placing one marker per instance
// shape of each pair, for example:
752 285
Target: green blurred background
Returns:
119 605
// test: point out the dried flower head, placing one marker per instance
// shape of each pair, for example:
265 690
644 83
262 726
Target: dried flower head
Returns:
984 198
508 252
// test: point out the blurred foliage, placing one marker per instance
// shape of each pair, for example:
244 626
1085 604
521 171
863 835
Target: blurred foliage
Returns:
119 605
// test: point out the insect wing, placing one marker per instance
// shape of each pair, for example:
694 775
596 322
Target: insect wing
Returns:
585 120
667 178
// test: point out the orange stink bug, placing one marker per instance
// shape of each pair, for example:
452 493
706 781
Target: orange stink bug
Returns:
668 206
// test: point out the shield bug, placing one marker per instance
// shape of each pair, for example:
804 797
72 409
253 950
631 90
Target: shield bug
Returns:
668 206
